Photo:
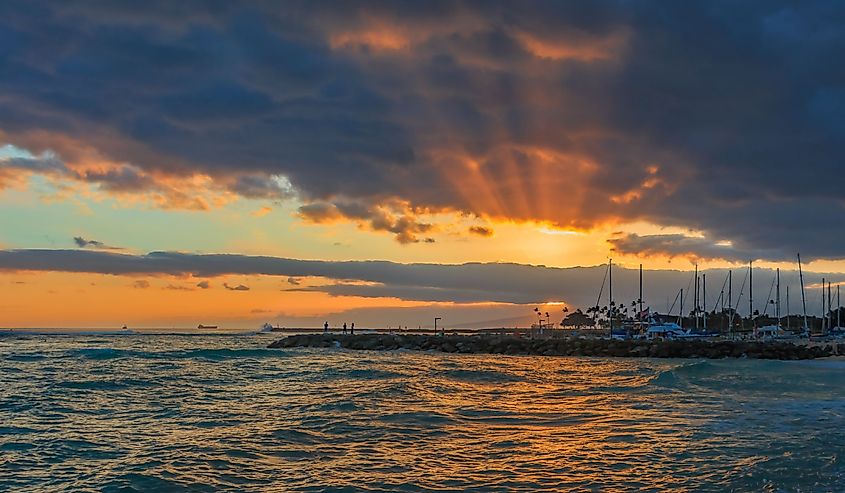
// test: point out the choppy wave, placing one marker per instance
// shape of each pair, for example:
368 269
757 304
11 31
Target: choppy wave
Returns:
223 354
107 353
482 376
208 413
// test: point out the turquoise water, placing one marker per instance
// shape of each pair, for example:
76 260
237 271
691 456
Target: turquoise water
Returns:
219 412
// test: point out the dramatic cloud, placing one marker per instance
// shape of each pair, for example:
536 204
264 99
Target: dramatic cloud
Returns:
396 218
203 285
14 164
463 283
239 287
721 117
294 281
257 186
141 284
678 245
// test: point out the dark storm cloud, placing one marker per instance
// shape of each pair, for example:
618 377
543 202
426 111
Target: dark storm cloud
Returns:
678 245
722 117
123 179
256 186
463 283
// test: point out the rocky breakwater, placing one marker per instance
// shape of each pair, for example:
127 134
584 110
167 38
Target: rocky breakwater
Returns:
563 347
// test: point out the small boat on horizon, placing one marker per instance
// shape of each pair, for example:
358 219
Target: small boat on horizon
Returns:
201 326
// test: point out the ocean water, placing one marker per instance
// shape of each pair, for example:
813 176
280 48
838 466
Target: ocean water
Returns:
88 412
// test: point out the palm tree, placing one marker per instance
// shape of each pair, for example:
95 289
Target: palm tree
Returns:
539 317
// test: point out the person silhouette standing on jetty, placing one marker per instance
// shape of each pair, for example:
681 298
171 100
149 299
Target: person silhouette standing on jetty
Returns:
344 327
353 328
325 327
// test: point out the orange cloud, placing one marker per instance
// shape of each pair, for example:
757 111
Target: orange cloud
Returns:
652 185
378 33
394 216
585 50
376 39
262 212
79 168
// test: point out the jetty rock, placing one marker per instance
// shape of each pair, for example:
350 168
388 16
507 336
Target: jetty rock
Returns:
511 345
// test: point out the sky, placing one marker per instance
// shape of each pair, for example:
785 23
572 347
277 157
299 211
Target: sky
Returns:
234 163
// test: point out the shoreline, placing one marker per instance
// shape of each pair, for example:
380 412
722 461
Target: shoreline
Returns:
509 345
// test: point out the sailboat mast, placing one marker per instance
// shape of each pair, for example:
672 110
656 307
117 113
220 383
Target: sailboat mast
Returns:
803 296
829 312
681 312
750 295
788 322
704 300
610 292
695 297
777 299
823 313
730 301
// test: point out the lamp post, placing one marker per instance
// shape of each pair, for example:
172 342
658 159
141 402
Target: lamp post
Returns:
435 326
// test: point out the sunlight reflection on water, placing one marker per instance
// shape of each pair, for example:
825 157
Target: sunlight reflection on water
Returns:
209 413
